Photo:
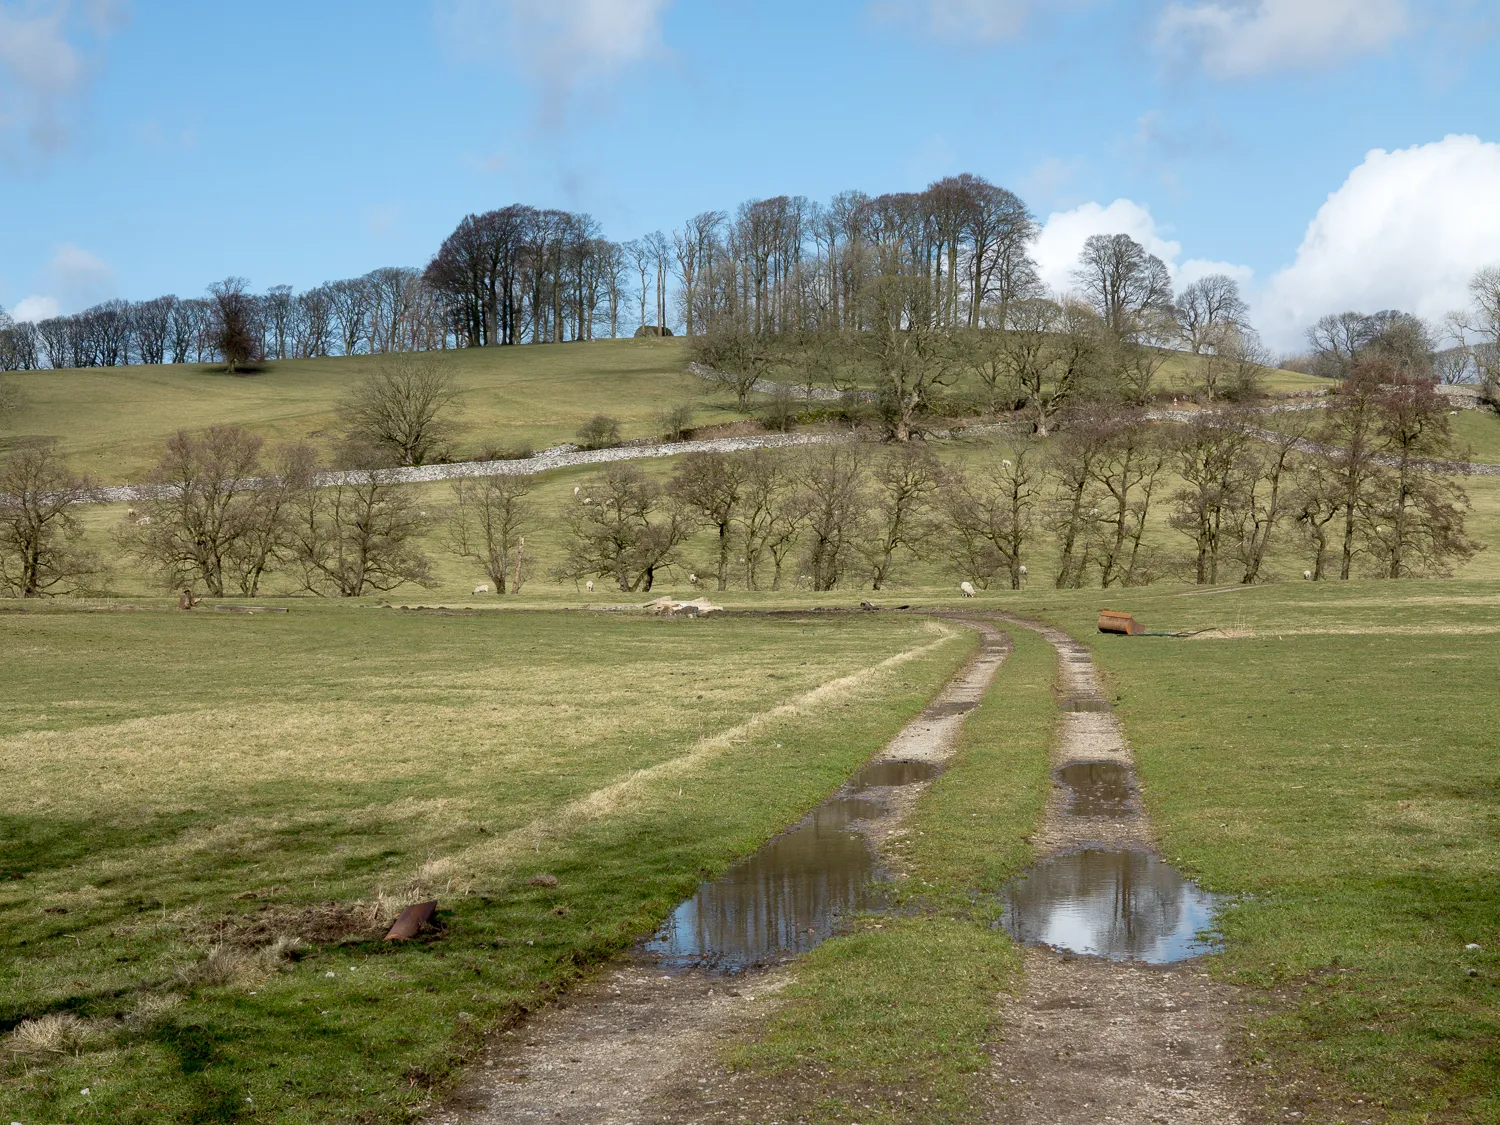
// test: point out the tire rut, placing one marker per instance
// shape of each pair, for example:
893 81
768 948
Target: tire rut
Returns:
638 1045
1099 1041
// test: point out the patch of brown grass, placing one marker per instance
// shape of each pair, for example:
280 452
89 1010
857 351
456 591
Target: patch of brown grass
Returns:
56 1033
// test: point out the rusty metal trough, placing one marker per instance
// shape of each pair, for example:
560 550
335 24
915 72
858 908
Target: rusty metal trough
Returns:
1111 621
412 921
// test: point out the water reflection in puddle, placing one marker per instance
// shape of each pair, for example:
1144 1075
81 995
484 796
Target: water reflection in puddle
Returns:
1086 703
894 773
1097 788
783 900
1123 905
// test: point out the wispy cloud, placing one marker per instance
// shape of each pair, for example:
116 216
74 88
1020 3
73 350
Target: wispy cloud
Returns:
47 56
1230 39
982 22
563 46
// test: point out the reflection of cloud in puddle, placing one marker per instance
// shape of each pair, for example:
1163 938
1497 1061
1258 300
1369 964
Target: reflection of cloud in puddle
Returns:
1123 905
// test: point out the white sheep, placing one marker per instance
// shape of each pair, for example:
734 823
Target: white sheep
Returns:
131 513
692 580
577 488
589 585
482 588
967 587
1307 574
1024 572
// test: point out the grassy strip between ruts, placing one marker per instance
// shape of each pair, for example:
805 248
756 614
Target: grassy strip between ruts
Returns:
1334 763
352 1030
889 1023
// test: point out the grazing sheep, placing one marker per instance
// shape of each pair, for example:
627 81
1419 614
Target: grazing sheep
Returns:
131 513
692 580
967 587
589 585
1307 574
1024 572
577 488
483 588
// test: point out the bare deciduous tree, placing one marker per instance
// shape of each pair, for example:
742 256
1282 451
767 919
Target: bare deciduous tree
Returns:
990 513
904 482
713 485
41 550
1207 309
489 520
358 535
834 480
236 335
1212 454
736 358
1127 471
772 513
1415 519
203 507
401 413
1125 283
623 526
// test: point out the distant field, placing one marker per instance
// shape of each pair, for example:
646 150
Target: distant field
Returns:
112 422
181 791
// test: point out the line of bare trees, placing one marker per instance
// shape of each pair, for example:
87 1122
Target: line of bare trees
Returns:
387 310
1356 490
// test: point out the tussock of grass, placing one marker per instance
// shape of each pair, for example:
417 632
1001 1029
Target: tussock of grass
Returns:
57 1033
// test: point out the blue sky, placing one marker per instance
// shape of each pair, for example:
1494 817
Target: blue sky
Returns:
155 146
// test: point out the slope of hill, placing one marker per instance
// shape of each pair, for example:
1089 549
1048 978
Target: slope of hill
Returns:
111 422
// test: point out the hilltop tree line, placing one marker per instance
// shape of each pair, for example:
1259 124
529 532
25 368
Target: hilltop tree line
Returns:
915 278
1358 488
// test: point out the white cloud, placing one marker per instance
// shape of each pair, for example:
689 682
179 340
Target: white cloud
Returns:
1407 230
1239 38
36 308
561 43
42 67
77 277
970 21
1063 234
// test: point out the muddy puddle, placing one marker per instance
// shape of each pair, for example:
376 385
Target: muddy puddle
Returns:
1086 703
795 891
781 901
1126 905
879 774
1097 789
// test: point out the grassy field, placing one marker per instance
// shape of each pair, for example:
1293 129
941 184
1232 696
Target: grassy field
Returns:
112 422
208 821
1333 763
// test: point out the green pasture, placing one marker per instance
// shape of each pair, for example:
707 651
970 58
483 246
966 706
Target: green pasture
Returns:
1330 760
184 792
112 422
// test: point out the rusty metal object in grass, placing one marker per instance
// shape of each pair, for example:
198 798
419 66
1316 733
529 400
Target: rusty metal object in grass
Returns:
414 919
1112 621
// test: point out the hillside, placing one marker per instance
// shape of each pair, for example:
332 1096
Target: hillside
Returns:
111 422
